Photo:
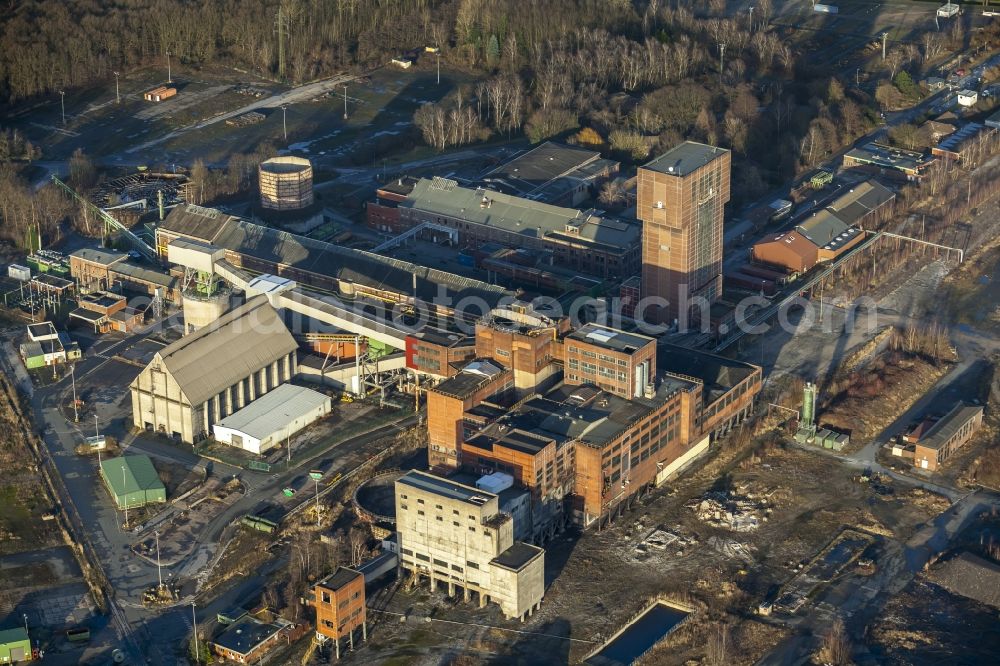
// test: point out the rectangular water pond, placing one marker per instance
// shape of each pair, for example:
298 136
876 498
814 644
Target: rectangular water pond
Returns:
636 638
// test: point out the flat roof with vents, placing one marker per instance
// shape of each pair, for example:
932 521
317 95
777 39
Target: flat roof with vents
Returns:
610 338
445 488
685 158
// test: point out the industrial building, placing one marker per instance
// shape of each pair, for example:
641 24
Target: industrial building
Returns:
579 450
584 241
581 419
198 380
15 645
888 161
966 140
477 394
286 183
159 94
438 353
247 640
47 346
456 534
934 440
553 173
828 233
104 270
523 340
615 361
788 250
272 418
52 287
340 270
339 600
680 198
132 481
103 312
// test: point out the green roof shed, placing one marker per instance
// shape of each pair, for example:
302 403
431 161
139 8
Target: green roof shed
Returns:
132 481
14 645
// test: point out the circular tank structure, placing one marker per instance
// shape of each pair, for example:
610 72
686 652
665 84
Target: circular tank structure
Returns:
200 311
375 499
286 183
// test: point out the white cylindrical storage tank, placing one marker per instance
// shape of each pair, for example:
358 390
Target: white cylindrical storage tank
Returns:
200 311
286 183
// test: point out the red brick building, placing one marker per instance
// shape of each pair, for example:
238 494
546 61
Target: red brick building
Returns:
438 353
481 384
581 449
947 435
339 601
680 198
617 362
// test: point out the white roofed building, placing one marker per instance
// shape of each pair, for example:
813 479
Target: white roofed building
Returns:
272 418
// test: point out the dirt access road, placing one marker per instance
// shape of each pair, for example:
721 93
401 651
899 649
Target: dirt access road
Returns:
301 93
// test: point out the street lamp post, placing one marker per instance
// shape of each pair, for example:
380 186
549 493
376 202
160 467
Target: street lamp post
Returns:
72 378
62 103
438 54
751 18
284 124
345 101
316 484
159 576
118 97
169 78
194 626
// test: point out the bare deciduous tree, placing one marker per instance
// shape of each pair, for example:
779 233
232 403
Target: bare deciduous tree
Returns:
836 647
717 651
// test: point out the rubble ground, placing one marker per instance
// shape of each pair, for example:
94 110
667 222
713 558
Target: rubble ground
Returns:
802 501
925 623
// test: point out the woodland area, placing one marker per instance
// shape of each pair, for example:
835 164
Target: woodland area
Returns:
632 77
642 75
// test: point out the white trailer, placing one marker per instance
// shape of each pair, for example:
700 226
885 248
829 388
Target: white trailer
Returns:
948 10
18 272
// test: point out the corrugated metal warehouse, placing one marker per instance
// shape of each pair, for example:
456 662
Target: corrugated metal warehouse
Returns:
132 481
278 415
195 382
321 265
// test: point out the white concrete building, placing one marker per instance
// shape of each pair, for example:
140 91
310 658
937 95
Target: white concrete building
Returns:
456 534
195 382
272 418
968 97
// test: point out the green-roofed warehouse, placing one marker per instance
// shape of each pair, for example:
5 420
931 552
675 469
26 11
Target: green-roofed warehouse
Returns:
132 481
14 645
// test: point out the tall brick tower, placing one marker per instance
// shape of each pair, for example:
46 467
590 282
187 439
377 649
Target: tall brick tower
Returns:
681 201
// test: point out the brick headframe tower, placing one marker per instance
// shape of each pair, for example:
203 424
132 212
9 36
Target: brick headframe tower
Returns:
681 199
